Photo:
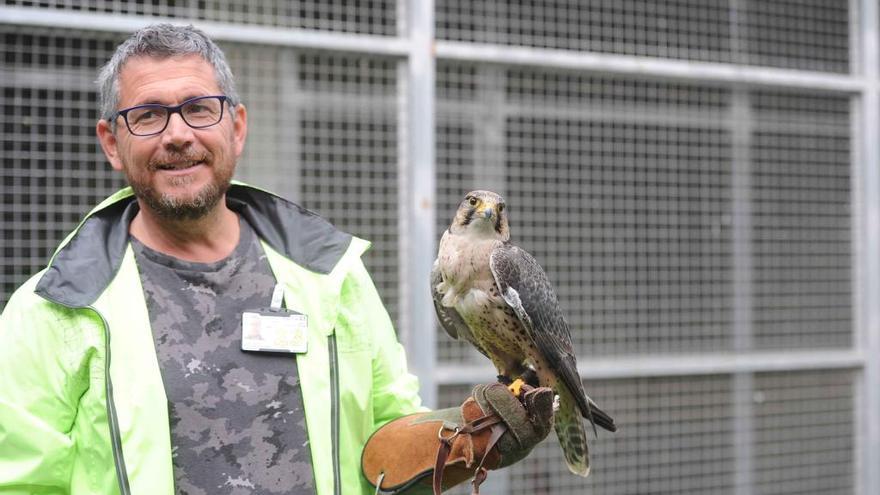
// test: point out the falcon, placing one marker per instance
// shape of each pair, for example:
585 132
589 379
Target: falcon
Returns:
497 297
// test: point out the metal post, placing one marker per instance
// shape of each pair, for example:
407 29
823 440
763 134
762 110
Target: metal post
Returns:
868 254
288 160
417 191
741 124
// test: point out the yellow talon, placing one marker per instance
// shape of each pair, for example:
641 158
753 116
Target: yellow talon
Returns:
516 386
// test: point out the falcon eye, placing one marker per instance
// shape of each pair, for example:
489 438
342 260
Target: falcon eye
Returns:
500 207
472 201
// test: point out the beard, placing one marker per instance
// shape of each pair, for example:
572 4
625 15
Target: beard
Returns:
180 207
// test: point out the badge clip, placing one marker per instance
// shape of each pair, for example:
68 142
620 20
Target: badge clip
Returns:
275 329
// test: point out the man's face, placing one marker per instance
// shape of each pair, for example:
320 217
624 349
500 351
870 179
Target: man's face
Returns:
181 173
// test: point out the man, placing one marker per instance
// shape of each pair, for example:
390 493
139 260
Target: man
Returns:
198 336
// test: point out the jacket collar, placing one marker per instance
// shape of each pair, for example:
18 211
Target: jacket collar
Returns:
87 261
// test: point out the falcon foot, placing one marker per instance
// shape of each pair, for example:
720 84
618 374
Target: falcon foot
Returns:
504 380
516 387
530 376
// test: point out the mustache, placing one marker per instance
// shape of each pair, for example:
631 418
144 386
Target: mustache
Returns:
173 158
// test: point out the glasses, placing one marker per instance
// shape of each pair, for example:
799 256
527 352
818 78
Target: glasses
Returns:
152 119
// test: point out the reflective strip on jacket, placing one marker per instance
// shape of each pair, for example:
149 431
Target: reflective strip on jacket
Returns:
82 405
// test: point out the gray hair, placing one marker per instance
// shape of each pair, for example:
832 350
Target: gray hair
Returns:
162 41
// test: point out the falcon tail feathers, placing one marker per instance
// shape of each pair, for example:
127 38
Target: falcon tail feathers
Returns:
572 436
602 419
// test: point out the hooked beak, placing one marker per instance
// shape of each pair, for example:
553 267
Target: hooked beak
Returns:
488 212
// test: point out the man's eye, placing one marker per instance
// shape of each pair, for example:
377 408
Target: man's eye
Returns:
196 108
146 116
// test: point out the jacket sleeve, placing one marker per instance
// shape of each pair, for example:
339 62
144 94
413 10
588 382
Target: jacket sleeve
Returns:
395 391
41 379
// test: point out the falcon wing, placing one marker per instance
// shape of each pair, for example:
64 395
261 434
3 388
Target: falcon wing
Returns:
527 290
449 318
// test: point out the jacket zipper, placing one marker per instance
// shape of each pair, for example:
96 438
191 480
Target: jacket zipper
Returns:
334 412
115 437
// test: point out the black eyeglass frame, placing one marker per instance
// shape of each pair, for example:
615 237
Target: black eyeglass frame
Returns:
171 110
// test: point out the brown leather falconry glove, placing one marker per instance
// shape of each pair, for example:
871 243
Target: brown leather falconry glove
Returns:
425 453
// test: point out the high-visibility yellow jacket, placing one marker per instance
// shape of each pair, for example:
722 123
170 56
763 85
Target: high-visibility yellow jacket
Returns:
82 405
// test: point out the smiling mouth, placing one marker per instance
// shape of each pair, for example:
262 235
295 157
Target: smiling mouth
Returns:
179 166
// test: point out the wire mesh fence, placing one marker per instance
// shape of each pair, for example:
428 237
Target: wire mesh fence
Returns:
798 34
674 217
377 17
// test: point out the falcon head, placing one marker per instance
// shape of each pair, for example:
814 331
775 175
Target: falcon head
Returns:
482 214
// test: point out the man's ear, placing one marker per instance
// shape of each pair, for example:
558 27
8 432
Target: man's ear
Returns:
239 128
108 143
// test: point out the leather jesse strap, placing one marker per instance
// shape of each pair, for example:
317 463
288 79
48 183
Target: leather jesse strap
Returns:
492 421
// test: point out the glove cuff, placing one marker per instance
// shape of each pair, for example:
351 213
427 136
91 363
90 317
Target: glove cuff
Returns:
524 430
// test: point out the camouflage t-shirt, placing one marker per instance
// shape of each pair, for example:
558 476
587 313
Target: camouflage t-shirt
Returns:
237 421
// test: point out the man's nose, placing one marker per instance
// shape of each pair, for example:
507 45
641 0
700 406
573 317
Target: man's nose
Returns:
177 132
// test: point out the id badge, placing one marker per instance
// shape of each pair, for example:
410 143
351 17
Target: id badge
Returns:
274 330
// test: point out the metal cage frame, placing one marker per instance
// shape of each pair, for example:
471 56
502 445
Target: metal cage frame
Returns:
418 51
